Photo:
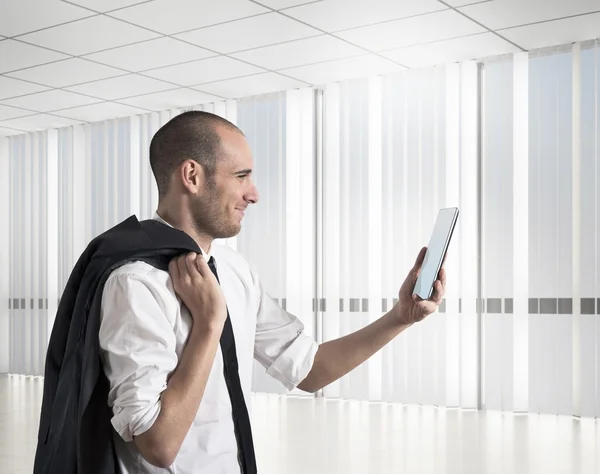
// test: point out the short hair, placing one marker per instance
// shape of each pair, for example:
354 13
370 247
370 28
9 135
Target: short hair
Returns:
190 135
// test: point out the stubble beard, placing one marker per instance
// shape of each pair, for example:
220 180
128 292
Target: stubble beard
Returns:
210 218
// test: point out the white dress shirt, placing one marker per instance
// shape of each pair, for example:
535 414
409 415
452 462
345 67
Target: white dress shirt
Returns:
143 332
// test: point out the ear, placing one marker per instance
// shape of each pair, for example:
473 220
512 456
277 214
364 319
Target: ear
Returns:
192 176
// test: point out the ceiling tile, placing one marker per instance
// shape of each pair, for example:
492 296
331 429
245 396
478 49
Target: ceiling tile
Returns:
336 15
279 4
67 72
506 13
251 85
249 33
170 99
39 122
343 69
205 70
50 100
103 111
555 32
7 132
12 87
462 3
151 54
449 51
122 86
90 35
106 5
176 16
16 55
300 52
7 112
410 31
24 16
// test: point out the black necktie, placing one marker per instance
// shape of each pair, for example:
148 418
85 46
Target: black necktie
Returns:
241 420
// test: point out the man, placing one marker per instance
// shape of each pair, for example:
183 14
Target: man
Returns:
177 346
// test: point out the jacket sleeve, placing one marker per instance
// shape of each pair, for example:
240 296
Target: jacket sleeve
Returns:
138 349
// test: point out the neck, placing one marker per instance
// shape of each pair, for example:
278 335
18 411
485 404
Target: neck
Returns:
183 221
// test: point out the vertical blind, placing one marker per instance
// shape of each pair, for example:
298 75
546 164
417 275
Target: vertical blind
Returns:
540 218
351 177
28 243
5 250
396 150
587 365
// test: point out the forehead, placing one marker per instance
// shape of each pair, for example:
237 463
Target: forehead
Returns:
235 150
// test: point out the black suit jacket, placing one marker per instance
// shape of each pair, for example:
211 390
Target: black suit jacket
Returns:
75 433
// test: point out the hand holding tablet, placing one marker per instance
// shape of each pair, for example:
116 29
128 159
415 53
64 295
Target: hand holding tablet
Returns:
436 252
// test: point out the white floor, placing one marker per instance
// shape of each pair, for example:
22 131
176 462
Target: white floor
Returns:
300 436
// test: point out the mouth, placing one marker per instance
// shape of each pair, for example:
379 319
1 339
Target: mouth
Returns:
241 211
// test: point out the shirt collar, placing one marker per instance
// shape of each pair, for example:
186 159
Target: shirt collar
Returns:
157 217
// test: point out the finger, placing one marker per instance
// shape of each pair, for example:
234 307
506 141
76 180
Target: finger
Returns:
438 293
442 280
202 266
184 274
190 263
442 277
442 290
174 269
181 266
420 258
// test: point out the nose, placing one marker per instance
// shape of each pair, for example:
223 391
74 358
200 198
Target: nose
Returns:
252 196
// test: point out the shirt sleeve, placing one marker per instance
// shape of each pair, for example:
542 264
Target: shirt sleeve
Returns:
137 344
282 345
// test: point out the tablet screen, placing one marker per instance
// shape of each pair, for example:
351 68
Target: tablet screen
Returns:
436 251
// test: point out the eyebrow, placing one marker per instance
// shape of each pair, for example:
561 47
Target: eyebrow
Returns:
246 171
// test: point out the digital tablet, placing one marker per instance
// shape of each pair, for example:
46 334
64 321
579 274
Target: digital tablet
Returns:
436 251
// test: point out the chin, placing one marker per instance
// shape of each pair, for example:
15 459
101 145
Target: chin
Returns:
230 232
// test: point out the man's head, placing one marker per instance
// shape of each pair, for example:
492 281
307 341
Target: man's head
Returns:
203 162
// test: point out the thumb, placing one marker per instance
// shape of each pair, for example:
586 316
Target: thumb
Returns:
420 259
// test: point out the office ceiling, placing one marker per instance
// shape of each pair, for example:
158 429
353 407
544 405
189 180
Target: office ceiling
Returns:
67 62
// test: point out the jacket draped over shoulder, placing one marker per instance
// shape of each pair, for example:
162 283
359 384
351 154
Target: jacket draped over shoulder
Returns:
75 433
